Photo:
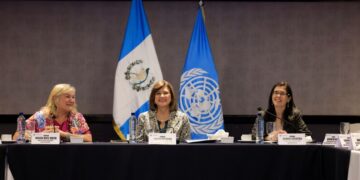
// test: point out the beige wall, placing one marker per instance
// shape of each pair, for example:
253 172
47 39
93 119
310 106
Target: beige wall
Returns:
315 46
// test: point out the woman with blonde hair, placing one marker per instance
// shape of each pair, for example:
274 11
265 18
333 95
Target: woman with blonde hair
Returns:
60 115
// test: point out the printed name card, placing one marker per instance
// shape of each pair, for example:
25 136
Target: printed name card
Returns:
355 141
45 138
292 139
162 138
330 139
6 137
343 141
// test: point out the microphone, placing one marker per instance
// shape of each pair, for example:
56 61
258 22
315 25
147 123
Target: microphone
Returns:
273 115
171 128
53 121
263 112
177 137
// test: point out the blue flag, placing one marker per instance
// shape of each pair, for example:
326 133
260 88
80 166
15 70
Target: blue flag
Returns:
199 87
137 70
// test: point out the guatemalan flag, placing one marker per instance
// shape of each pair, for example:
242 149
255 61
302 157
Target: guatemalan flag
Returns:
199 87
137 70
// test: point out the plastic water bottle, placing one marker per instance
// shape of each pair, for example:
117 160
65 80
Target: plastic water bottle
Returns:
260 128
21 128
132 128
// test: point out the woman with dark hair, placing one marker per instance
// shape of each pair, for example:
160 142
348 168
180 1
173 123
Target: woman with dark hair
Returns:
163 115
283 112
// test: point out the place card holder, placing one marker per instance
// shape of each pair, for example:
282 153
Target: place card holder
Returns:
330 139
292 139
162 138
45 138
343 141
355 141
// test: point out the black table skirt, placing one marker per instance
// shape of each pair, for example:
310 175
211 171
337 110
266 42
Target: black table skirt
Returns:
184 161
2 159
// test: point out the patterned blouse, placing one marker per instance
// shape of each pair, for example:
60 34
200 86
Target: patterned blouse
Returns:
178 123
75 124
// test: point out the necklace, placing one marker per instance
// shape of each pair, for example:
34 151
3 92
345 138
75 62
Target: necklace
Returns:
163 130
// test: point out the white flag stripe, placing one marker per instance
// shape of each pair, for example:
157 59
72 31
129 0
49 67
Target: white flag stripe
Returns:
125 99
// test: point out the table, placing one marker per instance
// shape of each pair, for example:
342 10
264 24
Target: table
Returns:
183 161
354 166
2 161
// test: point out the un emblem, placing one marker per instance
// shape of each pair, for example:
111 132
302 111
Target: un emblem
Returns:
139 76
200 100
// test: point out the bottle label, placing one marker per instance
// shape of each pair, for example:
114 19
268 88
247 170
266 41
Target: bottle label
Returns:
132 128
260 130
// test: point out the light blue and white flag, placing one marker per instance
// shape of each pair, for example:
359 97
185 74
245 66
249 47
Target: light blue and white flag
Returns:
137 70
199 87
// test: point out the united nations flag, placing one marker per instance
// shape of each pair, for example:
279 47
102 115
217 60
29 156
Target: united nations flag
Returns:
199 87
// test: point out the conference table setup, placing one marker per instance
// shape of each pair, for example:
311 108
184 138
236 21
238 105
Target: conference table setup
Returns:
106 160
126 89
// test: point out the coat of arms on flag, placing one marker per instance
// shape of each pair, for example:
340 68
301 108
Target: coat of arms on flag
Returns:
137 70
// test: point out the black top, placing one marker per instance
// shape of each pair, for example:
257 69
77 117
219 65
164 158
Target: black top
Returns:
292 124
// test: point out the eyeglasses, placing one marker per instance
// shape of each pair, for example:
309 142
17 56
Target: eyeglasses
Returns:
279 93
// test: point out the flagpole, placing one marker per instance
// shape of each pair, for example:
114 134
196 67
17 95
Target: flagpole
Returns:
131 95
199 87
201 4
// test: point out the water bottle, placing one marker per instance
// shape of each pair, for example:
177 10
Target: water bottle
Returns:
260 128
132 128
21 128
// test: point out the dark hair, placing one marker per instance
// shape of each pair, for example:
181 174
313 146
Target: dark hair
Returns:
290 106
157 86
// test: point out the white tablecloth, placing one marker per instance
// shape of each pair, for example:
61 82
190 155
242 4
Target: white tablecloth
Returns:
354 166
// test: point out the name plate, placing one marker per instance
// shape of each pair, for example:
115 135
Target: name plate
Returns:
292 139
355 141
45 138
330 139
343 141
162 138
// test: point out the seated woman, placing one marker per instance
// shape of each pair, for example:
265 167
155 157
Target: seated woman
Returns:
60 115
283 112
163 116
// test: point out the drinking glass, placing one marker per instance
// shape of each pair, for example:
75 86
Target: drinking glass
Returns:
30 129
269 127
344 127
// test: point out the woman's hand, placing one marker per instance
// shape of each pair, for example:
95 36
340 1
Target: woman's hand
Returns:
273 136
50 129
27 135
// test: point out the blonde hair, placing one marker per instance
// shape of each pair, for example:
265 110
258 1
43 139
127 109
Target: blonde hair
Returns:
50 108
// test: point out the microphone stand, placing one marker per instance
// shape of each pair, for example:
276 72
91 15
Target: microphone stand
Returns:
53 122
273 115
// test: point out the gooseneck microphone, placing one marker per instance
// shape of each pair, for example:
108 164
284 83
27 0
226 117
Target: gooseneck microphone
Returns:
263 112
53 117
276 117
